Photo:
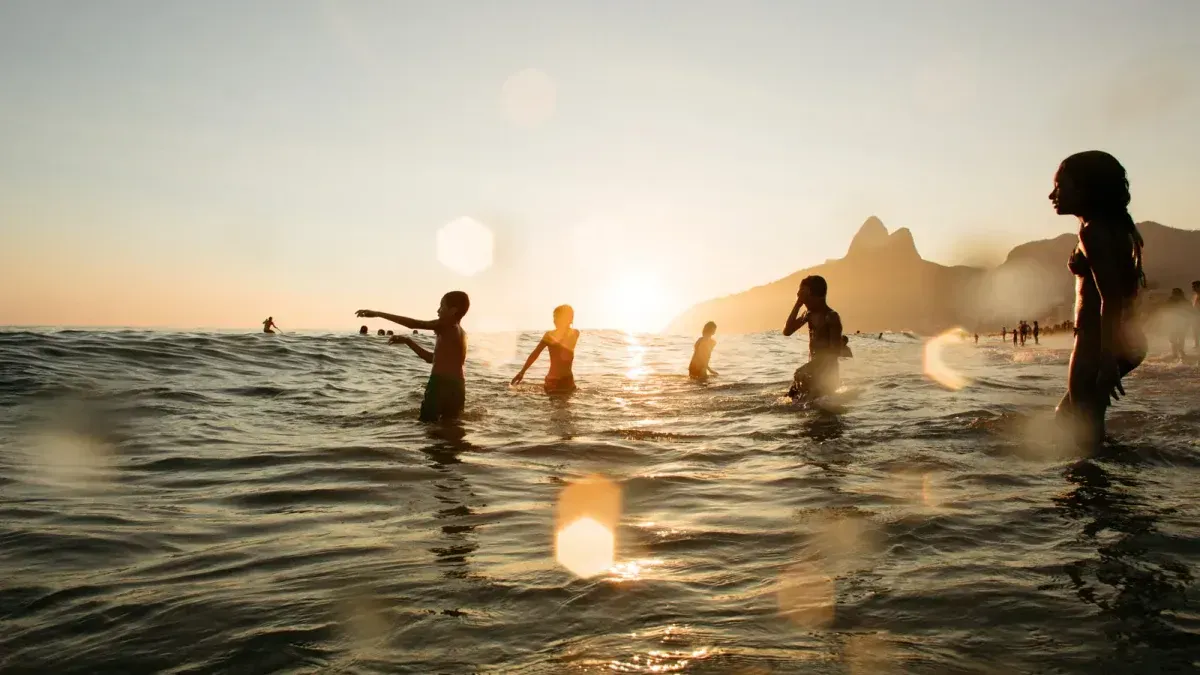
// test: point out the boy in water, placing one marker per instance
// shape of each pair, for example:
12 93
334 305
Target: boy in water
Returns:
446 391
819 376
698 369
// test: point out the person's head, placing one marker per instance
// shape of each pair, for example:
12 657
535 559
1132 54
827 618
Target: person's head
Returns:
564 316
1090 184
845 339
454 306
710 329
362 330
1176 292
270 319
1196 286
1035 323
813 288
390 333
380 332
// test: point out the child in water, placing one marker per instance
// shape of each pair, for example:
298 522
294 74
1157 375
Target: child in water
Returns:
820 376
561 342
446 391
698 369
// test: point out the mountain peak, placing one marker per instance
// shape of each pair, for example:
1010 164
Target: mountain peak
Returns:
901 243
871 236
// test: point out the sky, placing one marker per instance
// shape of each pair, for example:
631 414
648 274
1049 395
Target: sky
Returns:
207 164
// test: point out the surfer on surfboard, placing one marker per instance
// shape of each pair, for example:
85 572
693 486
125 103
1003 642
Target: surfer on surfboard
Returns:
820 376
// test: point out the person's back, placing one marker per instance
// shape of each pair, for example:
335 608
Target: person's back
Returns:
702 352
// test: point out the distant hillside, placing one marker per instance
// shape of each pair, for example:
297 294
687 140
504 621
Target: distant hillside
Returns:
883 284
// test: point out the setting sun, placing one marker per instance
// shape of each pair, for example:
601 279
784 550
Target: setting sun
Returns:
637 303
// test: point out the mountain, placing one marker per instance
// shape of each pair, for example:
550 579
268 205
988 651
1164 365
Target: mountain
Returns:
883 284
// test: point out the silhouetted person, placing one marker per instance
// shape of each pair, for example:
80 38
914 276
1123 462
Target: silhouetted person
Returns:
698 369
362 330
1014 334
977 338
269 324
390 333
846 352
561 343
820 375
1196 314
1037 332
380 333
1179 320
446 391
1109 344
1004 333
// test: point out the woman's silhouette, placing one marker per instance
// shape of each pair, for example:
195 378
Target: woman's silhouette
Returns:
1108 265
561 342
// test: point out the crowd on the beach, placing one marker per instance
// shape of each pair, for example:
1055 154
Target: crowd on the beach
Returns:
1109 339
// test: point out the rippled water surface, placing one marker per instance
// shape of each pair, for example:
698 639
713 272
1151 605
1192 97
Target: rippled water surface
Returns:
248 503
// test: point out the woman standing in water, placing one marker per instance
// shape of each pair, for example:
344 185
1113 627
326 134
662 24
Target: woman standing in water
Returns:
561 342
1107 263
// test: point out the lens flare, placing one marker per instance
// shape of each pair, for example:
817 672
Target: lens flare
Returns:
465 246
806 596
586 518
936 368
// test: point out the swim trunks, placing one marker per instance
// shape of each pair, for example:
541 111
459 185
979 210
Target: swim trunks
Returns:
445 398
561 385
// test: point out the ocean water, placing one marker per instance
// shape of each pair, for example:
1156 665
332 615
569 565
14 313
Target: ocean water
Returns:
220 503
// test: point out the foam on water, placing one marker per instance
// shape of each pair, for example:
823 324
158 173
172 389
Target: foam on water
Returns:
250 503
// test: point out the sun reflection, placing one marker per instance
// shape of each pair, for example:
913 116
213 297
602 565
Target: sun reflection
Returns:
631 570
935 368
637 356
587 515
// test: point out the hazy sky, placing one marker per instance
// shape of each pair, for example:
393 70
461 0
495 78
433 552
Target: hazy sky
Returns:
209 163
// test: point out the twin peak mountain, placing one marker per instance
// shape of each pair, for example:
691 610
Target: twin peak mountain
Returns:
883 284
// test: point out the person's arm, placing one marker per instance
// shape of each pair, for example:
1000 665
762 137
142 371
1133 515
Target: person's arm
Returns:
834 326
533 357
402 320
420 351
795 322
1099 251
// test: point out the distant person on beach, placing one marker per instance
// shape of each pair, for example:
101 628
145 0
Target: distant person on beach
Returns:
977 338
1196 315
1179 320
1004 333
1014 334
1107 262
561 343
698 369
363 330
1037 331
446 390
269 324
820 375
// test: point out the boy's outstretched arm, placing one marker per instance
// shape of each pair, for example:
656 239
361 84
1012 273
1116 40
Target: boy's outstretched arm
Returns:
533 357
412 344
402 320
795 322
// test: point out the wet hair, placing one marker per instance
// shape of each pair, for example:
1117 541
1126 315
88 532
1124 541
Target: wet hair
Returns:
1196 285
565 312
457 300
1103 189
362 330
380 332
390 333
710 328
816 284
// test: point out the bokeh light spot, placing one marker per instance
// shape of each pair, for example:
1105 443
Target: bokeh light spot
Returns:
465 246
935 366
529 98
806 596
586 518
